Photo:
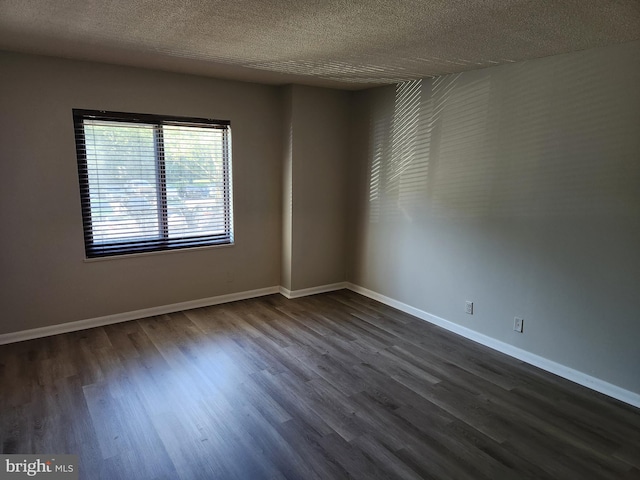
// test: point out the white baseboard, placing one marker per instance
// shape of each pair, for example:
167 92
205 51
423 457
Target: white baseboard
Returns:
563 371
313 290
161 310
134 315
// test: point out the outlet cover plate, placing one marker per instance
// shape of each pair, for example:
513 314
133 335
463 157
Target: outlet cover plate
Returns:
468 308
518 324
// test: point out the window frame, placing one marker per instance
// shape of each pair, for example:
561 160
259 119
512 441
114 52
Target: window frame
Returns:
163 242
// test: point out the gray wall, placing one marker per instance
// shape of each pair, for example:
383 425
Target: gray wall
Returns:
289 193
320 126
314 193
516 187
43 276
287 187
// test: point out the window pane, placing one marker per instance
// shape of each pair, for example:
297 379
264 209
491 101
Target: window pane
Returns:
195 177
151 183
122 180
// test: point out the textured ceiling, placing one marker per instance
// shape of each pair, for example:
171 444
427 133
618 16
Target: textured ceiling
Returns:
341 43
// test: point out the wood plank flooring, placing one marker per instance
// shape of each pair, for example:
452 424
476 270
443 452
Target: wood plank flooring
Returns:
324 387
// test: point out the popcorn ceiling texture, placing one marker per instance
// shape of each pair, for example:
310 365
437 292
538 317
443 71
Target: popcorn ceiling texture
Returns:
349 44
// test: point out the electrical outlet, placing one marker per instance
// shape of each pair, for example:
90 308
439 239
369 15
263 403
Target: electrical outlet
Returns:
518 324
468 308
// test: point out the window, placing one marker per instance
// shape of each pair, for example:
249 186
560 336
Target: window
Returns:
151 183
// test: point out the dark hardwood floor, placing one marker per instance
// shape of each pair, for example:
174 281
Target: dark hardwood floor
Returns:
322 387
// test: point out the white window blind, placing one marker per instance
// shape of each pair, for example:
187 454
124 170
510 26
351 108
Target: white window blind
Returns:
152 183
